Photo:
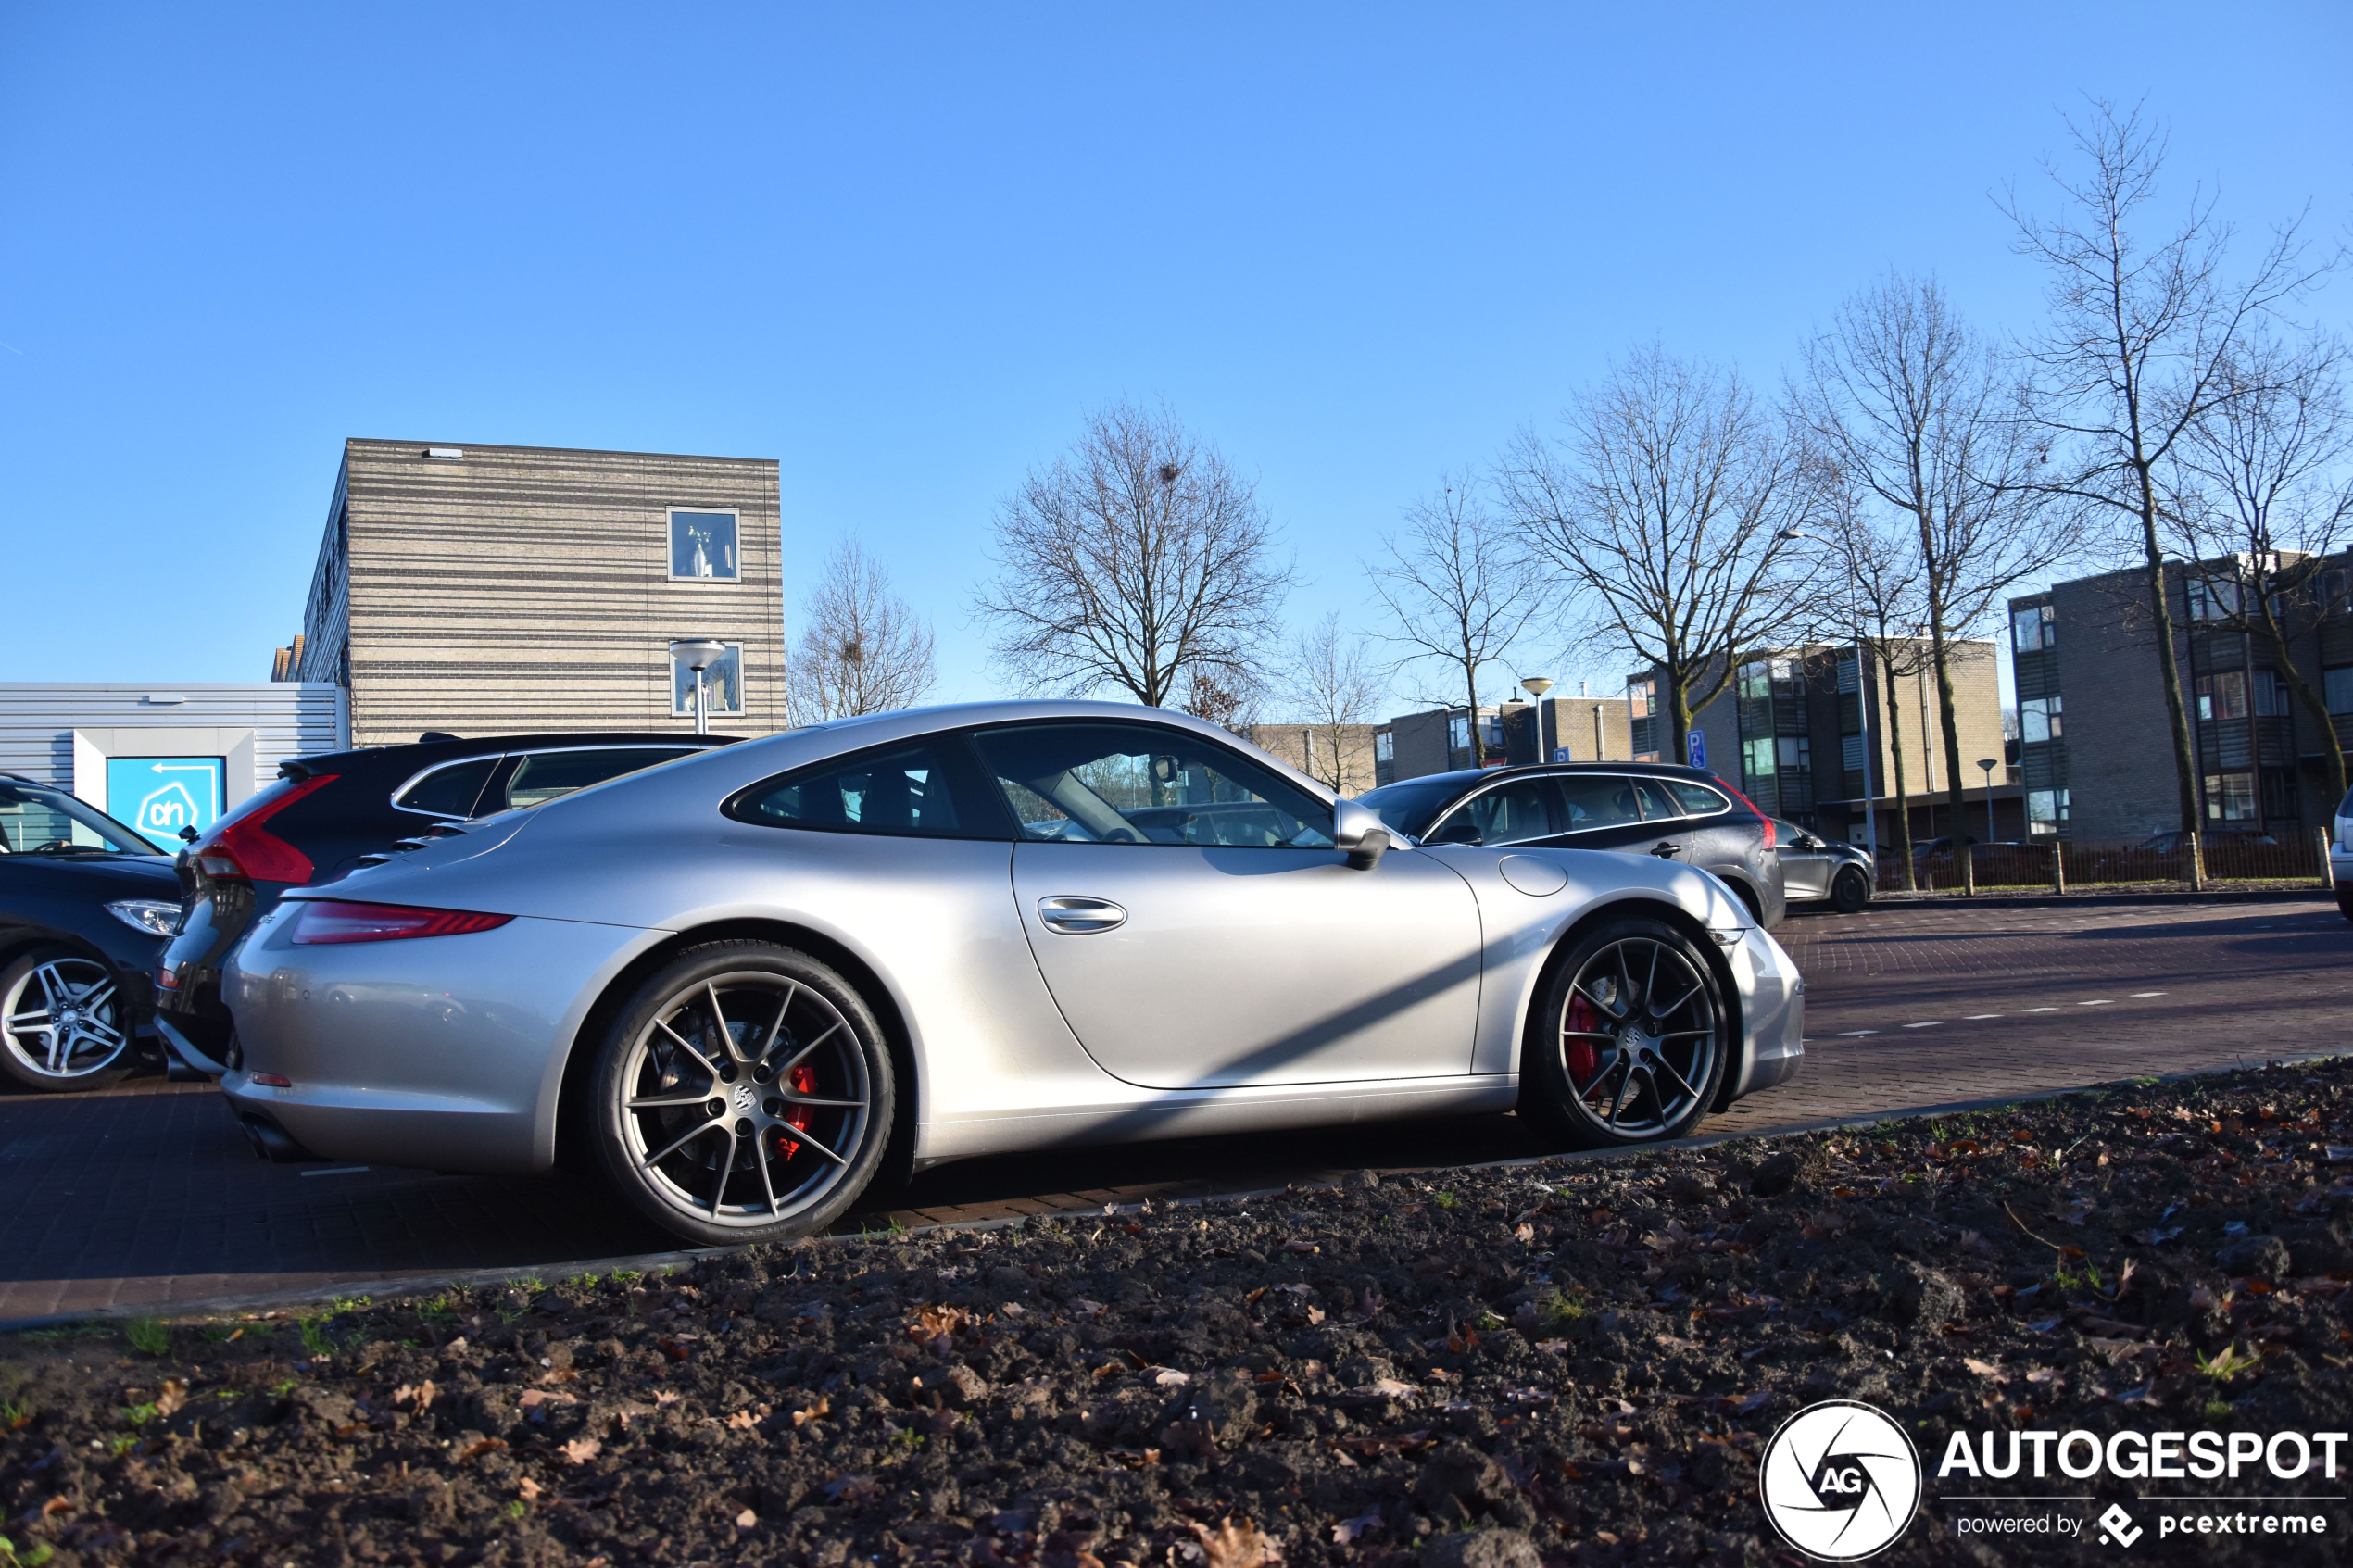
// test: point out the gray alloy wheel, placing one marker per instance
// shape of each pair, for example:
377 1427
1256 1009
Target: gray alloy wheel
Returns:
745 1094
63 1025
1849 891
1633 1041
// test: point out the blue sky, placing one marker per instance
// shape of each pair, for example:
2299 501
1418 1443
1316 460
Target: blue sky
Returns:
904 249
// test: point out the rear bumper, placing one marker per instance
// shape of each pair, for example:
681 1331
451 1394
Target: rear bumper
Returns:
444 1053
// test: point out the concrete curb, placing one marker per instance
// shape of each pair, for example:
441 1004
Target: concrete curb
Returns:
277 1302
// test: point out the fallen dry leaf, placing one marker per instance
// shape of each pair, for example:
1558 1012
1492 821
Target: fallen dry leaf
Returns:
580 1450
173 1394
1389 1387
743 1421
823 1407
664 1396
1237 1545
1525 1232
528 1489
419 1394
746 1520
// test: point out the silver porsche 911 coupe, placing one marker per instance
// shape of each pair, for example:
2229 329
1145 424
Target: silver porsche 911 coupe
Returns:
738 981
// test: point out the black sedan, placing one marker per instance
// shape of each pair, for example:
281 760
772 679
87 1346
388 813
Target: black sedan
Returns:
328 814
1677 813
85 908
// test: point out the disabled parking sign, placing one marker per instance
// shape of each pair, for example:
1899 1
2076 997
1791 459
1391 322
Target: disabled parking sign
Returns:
159 796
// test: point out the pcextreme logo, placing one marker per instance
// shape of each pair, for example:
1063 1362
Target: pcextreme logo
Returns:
1840 1480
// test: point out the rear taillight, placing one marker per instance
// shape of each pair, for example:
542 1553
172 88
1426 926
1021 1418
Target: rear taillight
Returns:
244 849
1760 816
325 921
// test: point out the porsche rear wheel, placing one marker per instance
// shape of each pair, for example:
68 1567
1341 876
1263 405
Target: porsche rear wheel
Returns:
1632 1040
744 1094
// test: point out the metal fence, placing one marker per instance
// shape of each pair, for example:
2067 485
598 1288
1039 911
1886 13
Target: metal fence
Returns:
2295 858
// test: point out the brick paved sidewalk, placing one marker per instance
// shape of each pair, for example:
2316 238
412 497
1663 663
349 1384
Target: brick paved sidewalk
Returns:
146 1195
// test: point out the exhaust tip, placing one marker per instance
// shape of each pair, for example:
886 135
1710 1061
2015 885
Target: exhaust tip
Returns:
271 1143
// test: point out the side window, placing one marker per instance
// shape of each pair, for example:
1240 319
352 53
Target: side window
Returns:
1659 803
1510 813
1696 799
906 791
543 775
1138 783
1597 801
448 791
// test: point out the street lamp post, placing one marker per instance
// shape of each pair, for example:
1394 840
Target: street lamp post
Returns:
698 654
1989 764
1862 697
1536 686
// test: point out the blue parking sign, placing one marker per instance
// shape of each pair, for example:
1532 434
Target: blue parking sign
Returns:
1697 747
158 796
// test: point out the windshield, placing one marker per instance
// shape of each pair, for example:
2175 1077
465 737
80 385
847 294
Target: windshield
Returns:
1411 806
36 820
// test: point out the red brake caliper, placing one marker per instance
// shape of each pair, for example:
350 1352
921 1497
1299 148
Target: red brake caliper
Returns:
1583 1060
803 1079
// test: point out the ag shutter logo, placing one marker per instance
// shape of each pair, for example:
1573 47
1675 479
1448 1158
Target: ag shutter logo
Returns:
1840 1480
2117 1526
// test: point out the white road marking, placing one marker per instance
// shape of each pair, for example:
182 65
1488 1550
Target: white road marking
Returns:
2148 992
1972 1018
2096 1002
2041 1009
1855 1034
1928 1023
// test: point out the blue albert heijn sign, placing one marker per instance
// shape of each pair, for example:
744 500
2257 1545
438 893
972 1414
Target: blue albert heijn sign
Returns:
159 796
1697 743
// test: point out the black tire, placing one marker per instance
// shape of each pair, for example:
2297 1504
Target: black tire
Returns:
801 1043
1578 1075
2345 899
50 989
1849 891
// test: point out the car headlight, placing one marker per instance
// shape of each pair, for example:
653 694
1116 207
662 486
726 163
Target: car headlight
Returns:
157 917
1727 938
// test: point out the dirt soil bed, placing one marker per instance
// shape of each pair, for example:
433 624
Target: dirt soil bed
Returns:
1570 1363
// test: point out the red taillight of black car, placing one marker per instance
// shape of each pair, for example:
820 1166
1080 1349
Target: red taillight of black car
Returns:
329 921
241 848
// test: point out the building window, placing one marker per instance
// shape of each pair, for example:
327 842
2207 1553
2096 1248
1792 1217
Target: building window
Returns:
2212 599
723 684
2335 598
1796 754
2279 796
1384 746
2336 686
2045 811
2229 797
1458 734
2222 694
2038 720
1756 682
1640 696
1757 761
2034 628
702 546
2271 694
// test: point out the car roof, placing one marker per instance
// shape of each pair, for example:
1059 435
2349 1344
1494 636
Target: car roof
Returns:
1467 777
415 755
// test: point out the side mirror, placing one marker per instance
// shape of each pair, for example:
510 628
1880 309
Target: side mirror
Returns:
1358 831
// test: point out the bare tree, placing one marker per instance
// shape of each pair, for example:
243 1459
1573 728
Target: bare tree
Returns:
2137 348
1138 561
1225 696
1338 691
1915 407
2262 483
861 651
1661 506
1886 579
1457 589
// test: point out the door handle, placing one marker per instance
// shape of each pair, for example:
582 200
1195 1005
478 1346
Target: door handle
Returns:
1076 916
1666 849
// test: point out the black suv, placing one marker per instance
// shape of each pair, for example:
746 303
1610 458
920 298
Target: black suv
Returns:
330 814
1635 808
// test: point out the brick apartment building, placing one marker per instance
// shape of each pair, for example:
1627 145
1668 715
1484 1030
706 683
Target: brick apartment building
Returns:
1575 729
1790 732
2095 748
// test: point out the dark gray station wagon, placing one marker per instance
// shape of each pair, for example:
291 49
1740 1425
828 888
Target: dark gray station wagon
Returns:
1632 808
